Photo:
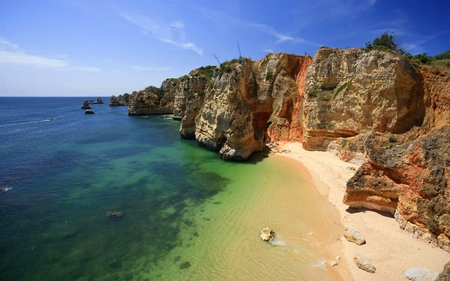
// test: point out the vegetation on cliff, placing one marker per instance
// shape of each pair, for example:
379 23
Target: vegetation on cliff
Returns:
388 42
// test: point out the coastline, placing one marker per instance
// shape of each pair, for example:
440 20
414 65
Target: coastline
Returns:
391 250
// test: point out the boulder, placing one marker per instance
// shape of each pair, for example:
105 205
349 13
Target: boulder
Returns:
445 274
420 274
89 111
364 263
99 100
353 235
267 234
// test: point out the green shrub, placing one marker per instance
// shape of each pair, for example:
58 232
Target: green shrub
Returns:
342 87
432 223
269 75
312 94
393 138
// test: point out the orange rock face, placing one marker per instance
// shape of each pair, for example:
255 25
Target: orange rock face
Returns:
411 178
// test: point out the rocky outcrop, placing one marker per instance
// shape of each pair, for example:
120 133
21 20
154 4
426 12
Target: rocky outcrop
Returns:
188 101
350 92
251 103
121 100
408 174
86 105
99 100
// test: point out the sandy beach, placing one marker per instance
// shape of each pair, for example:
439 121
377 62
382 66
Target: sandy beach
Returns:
390 250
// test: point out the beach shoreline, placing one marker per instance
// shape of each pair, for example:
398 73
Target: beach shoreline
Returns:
391 250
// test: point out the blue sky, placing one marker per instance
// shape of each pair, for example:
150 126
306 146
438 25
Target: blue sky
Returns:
103 48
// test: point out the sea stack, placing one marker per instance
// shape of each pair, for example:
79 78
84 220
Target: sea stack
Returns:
86 105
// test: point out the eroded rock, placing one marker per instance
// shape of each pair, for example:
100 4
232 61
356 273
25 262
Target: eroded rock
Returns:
354 236
364 263
420 274
267 234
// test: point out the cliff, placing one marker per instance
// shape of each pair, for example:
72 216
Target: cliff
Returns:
409 174
249 104
121 100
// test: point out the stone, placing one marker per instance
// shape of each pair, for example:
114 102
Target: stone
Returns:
99 100
364 263
86 105
420 274
89 111
267 234
445 274
354 236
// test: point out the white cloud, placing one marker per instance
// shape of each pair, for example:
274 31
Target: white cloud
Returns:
171 33
14 56
20 58
177 24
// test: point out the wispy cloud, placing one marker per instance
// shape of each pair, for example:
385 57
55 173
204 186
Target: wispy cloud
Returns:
11 54
20 58
177 24
172 33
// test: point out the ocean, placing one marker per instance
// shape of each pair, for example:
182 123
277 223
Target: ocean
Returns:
184 214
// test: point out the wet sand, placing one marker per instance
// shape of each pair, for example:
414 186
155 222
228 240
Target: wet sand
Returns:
391 250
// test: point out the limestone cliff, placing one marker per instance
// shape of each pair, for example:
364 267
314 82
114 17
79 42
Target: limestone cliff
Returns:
351 92
409 174
153 100
121 100
250 103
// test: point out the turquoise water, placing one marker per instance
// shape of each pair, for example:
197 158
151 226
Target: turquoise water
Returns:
59 178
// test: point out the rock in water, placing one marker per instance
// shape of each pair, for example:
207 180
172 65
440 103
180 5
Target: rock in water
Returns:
267 234
421 274
364 263
86 105
353 235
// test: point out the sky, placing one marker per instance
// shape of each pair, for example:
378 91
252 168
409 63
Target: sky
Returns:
95 48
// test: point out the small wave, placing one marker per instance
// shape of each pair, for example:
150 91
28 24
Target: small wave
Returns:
26 123
319 264
277 243
5 189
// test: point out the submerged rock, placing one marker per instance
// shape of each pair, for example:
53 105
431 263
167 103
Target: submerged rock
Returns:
114 214
185 265
89 111
267 234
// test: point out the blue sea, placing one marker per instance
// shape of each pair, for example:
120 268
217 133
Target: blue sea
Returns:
61 171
